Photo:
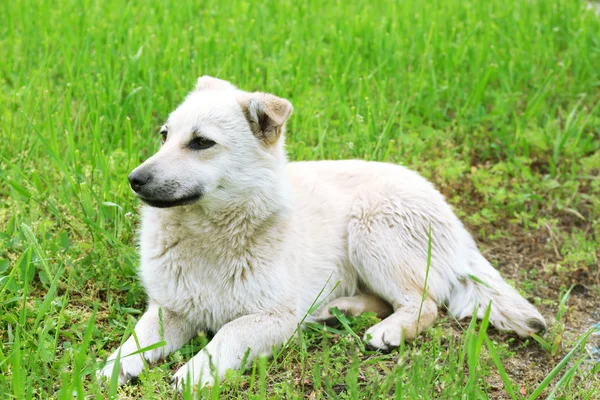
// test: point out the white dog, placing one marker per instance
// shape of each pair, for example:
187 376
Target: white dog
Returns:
240 242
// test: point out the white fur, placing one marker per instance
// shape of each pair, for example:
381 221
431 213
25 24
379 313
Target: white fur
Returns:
249 258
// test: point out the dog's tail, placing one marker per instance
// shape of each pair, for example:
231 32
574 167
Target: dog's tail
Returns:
509 310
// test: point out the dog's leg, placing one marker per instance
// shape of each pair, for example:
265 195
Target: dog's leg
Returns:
388 246
154 326
354 306
242 339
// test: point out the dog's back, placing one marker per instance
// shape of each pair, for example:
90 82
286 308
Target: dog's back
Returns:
390 212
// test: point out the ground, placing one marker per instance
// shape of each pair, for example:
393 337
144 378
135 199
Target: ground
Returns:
496 102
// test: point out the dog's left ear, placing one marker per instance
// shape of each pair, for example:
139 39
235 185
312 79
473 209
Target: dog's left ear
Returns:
266 114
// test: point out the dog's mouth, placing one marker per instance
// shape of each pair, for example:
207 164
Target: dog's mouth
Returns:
162 203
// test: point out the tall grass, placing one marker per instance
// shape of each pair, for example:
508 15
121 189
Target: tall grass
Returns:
502 94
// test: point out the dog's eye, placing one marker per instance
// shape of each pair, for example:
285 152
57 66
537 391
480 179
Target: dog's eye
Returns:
164 134
201 143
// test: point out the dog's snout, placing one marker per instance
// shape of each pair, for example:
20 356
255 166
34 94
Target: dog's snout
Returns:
137 179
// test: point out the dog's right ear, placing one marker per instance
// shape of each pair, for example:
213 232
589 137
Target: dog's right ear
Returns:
266 114
208 82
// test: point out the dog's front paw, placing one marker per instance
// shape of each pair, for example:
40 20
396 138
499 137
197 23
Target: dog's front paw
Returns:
129 368
196 372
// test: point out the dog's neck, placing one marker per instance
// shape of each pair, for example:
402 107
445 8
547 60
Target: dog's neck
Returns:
235 221
247 214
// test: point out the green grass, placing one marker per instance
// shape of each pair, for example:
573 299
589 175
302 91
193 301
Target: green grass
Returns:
496 101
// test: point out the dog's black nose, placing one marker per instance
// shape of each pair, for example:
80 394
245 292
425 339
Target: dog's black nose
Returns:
137 179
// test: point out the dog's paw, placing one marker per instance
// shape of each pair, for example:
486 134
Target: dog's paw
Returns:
129 368
383 337
196 373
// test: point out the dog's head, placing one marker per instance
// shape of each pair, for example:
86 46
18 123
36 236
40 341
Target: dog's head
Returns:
219 142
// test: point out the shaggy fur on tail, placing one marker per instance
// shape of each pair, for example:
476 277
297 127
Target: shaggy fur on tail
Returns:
509 310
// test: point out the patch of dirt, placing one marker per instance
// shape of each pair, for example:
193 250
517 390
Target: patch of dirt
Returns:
516 257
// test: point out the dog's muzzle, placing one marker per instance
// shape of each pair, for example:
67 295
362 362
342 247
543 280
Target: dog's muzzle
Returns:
160 196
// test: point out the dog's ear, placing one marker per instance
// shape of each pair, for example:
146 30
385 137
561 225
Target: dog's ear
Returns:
266 114
208 82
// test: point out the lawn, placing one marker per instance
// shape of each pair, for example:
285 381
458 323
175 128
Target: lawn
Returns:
496 101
